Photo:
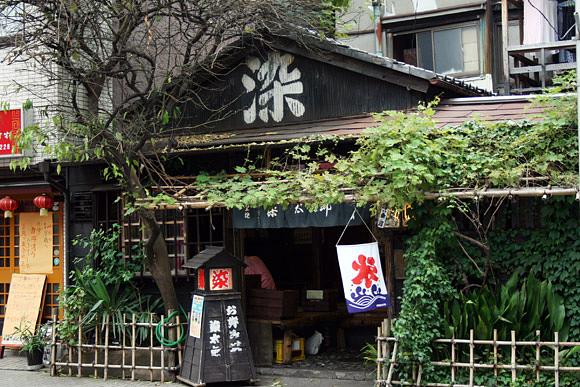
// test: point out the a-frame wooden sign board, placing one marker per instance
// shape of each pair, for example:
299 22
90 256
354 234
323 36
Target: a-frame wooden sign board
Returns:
24 307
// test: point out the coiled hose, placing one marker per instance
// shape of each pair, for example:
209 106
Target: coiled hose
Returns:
160 334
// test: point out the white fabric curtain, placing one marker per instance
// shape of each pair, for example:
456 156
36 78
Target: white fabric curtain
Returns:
540 21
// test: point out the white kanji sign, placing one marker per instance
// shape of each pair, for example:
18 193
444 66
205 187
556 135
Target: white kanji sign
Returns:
273 87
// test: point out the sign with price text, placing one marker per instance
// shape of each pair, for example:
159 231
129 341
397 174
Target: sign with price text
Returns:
10 127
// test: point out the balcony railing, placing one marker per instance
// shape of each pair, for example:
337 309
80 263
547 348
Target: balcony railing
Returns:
530 68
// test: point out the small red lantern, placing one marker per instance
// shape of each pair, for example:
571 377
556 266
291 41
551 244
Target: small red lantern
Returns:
8 205
43 202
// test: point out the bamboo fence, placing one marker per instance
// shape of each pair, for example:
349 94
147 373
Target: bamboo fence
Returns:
387 359
100 353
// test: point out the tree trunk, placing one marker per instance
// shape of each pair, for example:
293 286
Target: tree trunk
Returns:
157 259
155 248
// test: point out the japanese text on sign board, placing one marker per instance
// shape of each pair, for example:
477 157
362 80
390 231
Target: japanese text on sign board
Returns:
10 126
221 279
234 333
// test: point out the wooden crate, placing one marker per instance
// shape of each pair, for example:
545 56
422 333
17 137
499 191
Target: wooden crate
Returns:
272 304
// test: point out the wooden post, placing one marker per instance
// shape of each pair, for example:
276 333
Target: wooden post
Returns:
69 360
471 357
392 364
543 67
162 374
556 360
151 347
80 349
386 347
387 353
513 356
419 374
133 342
453 358
106 362
538 363
488 44
379 352
53 347
179 347
96 351
495 371
173 333
505 43
124 338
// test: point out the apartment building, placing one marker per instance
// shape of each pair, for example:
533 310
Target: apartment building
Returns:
465 38
31 241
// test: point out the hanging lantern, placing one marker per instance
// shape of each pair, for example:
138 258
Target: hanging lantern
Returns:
44 203
8 205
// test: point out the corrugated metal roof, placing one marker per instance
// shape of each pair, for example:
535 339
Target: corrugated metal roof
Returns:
448 113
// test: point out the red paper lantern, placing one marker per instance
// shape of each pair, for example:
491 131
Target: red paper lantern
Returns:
44 203
8 205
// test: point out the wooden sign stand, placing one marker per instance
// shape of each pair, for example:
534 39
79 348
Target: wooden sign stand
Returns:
25 304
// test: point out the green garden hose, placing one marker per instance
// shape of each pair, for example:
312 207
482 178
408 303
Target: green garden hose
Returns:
160 334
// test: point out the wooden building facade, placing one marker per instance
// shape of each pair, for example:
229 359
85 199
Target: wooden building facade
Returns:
268 100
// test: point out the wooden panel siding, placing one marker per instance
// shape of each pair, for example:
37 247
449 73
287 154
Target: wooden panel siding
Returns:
327 92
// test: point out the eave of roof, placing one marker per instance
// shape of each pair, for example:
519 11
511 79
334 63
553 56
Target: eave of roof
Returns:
446 82
452 112
391 19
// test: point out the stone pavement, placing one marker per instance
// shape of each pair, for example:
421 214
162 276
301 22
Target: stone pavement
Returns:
13 378
12 375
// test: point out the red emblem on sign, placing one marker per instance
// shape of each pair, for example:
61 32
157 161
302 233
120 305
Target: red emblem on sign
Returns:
221 279
367 271
10 125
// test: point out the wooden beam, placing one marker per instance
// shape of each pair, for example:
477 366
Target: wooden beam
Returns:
505 43
488 43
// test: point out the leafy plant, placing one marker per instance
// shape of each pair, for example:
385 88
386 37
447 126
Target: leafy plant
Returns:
369 353
32 339
103 288
550 251
524 306
108 304
427 285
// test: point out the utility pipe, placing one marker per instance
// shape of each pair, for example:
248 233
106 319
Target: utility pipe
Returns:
378 31
544 193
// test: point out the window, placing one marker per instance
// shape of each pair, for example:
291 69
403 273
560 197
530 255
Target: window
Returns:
446 50
107 209
186 233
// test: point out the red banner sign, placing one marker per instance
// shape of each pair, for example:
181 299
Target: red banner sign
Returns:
10 126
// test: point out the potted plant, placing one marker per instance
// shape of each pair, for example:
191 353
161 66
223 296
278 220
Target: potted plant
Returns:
33 342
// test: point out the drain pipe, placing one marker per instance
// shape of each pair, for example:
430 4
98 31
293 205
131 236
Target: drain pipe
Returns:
377 27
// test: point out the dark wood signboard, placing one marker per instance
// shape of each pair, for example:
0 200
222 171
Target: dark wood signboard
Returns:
276 87
222 353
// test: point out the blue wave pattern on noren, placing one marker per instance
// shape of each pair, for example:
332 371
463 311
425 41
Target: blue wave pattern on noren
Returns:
363 300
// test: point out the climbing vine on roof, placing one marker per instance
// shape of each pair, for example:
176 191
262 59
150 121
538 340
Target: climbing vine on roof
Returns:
408 154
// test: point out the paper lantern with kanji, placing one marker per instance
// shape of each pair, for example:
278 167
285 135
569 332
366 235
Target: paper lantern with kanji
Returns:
43 202
8 205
